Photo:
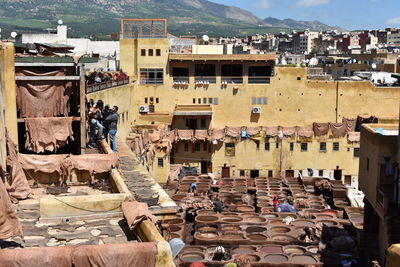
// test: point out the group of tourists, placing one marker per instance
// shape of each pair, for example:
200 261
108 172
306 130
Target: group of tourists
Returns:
99 77
103 123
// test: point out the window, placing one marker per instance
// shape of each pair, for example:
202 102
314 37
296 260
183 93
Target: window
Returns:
259 101
230 149
241 173
210 100
299 78
143 52
321 173
335 146
160 162
180 72
145 100
151 76
158 52
266 146
203 123
356 152
186 147
276 145
196 147
204 100
194 100
157 100
232 73
215 102
291 146
304 147
204 70
151 100
198 100
205 147
322 146
151 52
270 173
259 74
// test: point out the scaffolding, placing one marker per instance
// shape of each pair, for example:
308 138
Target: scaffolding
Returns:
143 28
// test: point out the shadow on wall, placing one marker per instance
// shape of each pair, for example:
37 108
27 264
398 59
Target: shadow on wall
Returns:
254 117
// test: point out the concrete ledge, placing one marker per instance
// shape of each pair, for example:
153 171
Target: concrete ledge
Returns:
52 206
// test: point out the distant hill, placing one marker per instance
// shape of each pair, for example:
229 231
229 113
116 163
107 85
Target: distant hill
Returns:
100 18
299 24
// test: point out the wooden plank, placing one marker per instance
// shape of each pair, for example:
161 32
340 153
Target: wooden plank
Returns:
73 119
41 64
47 78
82 103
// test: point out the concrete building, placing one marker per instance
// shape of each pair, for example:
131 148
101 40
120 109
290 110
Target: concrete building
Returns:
379 177
212 91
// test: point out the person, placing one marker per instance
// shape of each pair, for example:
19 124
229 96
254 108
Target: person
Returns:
219 253
112 122
276 201
105 112
192 187
94 117
218 205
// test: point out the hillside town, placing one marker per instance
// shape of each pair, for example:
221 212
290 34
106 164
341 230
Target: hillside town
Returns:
163 150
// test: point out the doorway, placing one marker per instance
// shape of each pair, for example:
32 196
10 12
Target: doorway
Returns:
254 173
289 173
337 174
347 179
204 167
226 172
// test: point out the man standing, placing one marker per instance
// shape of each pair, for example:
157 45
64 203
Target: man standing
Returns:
112 122
94 118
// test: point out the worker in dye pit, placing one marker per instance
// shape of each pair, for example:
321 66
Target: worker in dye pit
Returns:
192 187
218 205
112 122
220 254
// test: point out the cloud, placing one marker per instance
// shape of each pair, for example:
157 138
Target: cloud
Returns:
392 21
263 4
308 3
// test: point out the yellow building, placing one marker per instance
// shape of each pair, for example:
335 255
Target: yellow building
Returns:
211 91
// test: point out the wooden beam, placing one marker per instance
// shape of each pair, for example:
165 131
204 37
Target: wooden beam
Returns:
41 64
82 103
47 78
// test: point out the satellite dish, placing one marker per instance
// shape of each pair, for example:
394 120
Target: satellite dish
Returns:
206 38
313 61
284 62
60 22
373 65
13 34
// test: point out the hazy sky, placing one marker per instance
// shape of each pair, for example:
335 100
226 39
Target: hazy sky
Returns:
350 14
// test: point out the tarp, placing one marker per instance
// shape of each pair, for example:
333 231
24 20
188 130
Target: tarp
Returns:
43 98
108 255
305 131
9 223
135 212
338 129
320 128
47 134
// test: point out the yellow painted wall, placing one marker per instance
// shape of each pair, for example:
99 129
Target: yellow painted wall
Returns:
7 74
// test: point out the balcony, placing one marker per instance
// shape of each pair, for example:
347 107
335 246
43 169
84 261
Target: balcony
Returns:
90 88
259 80
232 80
201 80
180 80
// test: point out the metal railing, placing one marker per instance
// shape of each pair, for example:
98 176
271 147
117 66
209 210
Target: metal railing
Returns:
90 88
204 80
231 80
180 80
259 79
151 81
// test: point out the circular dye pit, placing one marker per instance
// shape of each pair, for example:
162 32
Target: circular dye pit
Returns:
303 259
280 229
294 250
276 258
192 257
271 249
243 250
255 229
231 219
257 237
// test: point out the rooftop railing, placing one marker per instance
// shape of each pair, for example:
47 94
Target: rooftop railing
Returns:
95 87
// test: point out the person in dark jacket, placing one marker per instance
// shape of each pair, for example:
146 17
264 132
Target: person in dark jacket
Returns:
112 122
105 112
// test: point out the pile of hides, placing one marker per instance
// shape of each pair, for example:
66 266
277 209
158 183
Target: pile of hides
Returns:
9 222
135 212
43 98
47 134
110 255
353 137
16 183
324 185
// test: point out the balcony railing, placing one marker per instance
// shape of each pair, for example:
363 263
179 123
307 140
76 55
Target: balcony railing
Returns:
231 80
259 79
151 81
204 80
90 88
180 80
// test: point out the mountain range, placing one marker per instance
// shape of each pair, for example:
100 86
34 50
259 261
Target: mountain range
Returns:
100 18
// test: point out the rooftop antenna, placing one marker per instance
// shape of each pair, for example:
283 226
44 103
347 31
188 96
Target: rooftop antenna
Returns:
13 34
206 39
60 22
